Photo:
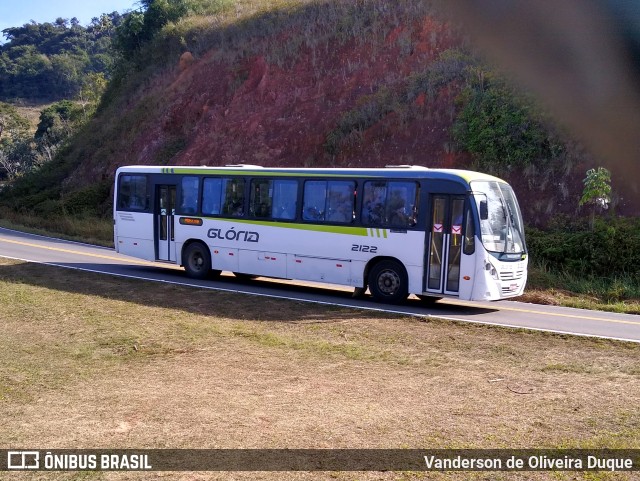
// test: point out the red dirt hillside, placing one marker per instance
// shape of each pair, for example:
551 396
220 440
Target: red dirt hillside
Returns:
340 83
282 117
207 109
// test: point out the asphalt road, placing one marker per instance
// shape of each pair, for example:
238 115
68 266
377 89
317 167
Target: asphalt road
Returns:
72 255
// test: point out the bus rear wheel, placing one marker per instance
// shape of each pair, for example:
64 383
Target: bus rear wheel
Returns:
197 260
388 282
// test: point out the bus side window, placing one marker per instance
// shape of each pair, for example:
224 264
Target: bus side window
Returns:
233 197
391 204
469 234
313 203
211 195
401 204
132 194
261 194
373 203
189 195
285 196
340 201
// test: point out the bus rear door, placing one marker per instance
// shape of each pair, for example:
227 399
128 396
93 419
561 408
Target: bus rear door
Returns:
165 210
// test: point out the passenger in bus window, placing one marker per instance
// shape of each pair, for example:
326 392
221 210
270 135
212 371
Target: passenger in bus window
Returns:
367 204
312 213
374 213
237 209
374 202
262 210
398 214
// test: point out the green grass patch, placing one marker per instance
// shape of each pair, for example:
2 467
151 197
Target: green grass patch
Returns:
616 294
81 228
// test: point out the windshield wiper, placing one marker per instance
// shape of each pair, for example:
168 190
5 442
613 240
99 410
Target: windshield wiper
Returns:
508 221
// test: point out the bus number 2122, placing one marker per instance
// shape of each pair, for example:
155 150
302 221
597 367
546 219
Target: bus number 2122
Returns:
359 248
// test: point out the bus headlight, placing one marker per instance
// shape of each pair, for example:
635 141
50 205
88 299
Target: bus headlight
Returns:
492 270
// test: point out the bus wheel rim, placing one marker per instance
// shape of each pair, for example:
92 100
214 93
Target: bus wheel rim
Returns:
197 261
389 282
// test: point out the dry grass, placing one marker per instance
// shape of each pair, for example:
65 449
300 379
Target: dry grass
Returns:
89 361
32 113
561 297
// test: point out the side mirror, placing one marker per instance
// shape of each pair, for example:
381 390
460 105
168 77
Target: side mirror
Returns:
484 211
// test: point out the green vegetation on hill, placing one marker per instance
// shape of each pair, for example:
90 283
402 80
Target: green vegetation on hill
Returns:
501 127
52 61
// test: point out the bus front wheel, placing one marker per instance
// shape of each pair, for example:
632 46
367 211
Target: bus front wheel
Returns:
388 282
197 260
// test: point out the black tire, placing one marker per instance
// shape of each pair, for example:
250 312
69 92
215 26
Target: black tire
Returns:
388 282
429 300
196 260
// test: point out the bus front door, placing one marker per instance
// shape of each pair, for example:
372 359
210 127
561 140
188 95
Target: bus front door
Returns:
165 215
444 248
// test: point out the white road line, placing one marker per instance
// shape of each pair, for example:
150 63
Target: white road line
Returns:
311 301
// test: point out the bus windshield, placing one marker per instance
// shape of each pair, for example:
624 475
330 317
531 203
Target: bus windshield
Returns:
501 224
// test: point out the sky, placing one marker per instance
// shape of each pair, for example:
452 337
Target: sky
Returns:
15 13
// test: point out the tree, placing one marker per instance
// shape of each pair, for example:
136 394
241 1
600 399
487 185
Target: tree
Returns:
48 61
18 157
597 191
57 121
93 86
129 35
140 28
15 142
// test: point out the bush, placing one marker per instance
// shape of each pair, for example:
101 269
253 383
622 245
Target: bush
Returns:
89 200
500 127
611 250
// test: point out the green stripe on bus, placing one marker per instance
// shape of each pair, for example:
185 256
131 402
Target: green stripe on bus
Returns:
359 231
371 232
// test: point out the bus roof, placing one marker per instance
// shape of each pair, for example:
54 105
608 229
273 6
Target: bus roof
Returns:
397 172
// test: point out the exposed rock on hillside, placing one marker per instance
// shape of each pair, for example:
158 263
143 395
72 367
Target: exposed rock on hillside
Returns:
339 103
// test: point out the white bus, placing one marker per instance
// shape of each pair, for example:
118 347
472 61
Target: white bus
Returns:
397 231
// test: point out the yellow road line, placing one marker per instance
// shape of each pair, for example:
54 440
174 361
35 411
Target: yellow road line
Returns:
531 311
100 256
